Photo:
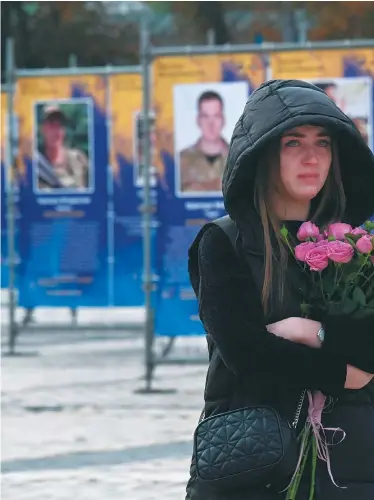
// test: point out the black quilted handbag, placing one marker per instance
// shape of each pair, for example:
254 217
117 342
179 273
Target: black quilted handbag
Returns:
248 447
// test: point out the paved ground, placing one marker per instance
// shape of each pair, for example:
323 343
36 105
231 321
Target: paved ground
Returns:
47 318
73 427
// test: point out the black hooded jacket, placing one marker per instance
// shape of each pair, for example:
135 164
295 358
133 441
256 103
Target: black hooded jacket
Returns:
247 362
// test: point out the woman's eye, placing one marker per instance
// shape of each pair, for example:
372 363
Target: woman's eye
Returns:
292 143
324 143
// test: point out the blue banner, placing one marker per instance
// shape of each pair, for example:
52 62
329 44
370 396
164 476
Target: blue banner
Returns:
4 225
4 229
127 189
64 193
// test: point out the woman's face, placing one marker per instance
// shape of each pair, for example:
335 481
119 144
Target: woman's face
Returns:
305 160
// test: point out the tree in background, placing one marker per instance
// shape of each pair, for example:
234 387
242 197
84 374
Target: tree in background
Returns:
341 20
47 33
99 33
288 21
200 18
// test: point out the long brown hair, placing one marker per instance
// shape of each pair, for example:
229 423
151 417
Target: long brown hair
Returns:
327 207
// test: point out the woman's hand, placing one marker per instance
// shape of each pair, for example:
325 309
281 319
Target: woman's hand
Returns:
299 330
304 331
357 379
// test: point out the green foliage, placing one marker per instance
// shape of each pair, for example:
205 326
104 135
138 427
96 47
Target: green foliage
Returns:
351 240
369 226
359 297
284 232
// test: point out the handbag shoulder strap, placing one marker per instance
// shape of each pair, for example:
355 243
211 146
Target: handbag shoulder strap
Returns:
229 227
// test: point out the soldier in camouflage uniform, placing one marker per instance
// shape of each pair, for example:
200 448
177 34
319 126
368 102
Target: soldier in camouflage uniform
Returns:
202 164
59 166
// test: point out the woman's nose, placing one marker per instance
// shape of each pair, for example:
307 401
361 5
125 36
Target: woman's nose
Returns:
310 156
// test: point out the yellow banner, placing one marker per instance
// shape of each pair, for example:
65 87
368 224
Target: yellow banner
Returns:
126 104
170 71
345 75
322 63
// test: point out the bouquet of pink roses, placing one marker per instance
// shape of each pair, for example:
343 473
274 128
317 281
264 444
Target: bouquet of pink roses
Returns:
341 261
340 264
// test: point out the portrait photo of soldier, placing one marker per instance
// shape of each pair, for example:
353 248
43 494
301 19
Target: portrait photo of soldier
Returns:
202 163
353 95
62 153
204 116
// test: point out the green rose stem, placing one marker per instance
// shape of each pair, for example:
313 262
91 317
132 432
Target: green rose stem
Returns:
314 467
341 267
363 265
348 287
306 442
371 276
338 267
321 285
284 234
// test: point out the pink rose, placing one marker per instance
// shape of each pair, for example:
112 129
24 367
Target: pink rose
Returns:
322 243
307 230
317 258
302 249
339 251
364 244
358 231
339 229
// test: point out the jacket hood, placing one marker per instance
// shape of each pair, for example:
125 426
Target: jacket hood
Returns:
277 106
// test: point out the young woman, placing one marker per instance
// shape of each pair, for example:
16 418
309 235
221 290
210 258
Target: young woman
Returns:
294 156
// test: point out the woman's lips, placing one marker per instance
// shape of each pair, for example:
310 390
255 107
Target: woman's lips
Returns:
309 179
308 176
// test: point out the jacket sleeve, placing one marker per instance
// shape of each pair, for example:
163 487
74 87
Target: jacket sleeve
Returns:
231 312
351 339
